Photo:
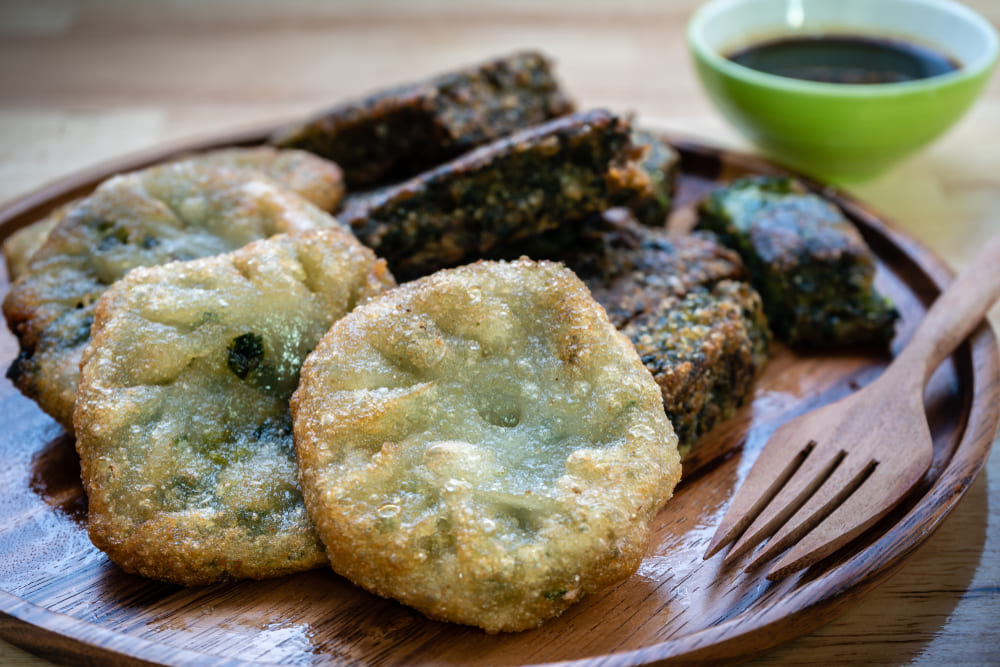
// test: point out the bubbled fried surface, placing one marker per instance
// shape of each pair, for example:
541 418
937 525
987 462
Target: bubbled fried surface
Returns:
481 444
703 344
172 212
314 179
182 419
23 243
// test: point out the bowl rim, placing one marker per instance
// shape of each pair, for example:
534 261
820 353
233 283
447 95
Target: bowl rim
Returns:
982 66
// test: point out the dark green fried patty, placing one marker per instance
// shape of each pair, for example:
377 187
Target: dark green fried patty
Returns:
698 328
704 350
396 133
556 174
809 263
661 163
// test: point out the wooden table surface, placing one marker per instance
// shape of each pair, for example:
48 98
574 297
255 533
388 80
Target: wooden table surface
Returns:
85 81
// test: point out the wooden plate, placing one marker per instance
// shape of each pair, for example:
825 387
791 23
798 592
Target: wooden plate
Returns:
61 598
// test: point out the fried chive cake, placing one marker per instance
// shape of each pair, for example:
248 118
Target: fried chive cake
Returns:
182 418
317 180
396 133
177 211
556 174
704 350
810 264
482 445
698 327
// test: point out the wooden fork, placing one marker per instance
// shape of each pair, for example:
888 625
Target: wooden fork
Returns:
827 476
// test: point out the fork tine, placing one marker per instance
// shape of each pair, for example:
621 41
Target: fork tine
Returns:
761 484
810 475
878 494
851 472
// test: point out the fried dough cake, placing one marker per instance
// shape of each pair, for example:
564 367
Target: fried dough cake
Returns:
182 418
313 178
20 246
171 212
317 180
483 445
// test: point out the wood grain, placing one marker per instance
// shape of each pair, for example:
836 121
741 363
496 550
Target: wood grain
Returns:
86 81
64 599
865 451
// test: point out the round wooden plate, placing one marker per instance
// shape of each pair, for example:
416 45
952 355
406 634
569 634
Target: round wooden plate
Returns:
63 599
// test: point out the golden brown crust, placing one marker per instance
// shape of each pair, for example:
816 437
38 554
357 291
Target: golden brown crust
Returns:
171 212
22 244
483 445
316 180
396 133
182 419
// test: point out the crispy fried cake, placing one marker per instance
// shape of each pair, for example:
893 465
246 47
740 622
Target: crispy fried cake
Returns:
810 264
483 445
553 175
172 212
682 300
394 134
313 178
182 417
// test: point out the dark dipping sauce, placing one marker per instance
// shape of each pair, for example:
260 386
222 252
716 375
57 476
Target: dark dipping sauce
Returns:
845 59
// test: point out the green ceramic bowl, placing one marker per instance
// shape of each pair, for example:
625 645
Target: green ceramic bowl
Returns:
838 131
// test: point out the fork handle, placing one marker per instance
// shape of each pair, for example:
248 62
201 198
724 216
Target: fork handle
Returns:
953 316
